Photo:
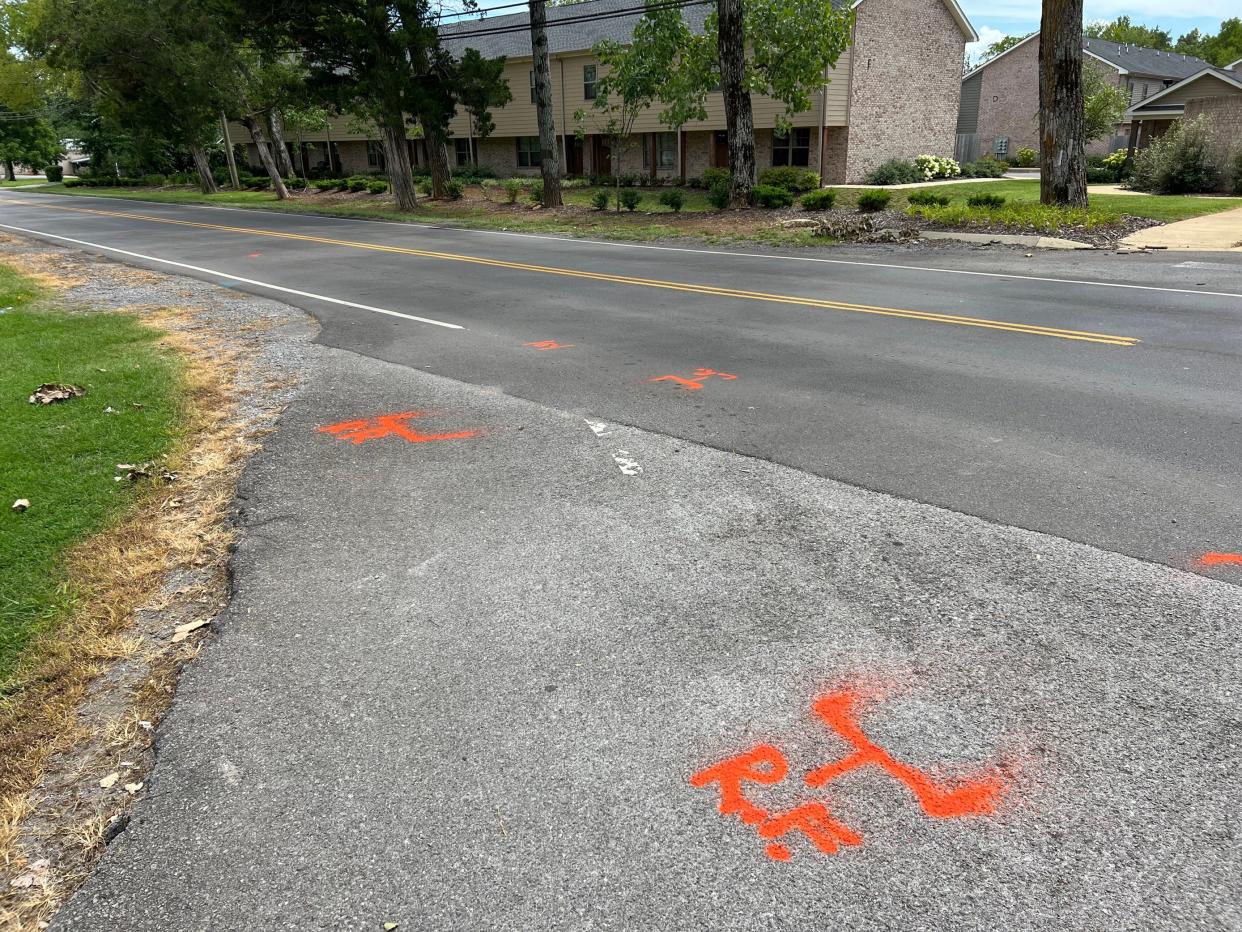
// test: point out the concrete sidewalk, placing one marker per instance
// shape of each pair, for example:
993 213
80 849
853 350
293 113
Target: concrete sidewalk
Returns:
465 684
1219 232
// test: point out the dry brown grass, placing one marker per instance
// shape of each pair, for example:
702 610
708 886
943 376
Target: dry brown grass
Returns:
73 714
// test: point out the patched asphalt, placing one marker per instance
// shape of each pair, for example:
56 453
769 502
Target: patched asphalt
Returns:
464 685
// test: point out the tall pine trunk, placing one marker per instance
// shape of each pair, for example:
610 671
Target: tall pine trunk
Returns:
276 130
206 180
265 156
549 164
739 120
437 160
9 173
397 161
1062 150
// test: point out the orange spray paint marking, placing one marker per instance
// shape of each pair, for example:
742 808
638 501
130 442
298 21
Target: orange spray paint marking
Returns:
388 425
695 382
1221 559
815 822
549 344
765 764
254 255
974 797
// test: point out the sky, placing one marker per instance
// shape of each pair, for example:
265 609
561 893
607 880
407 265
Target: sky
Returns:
993 19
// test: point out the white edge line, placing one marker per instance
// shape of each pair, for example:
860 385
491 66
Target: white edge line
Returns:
237 278
780 257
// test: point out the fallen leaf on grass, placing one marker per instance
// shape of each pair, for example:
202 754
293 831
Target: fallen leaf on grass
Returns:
110 779
51 392
36 875
21 505
183 631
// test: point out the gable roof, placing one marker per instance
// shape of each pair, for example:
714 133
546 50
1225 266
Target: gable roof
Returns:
584 29
1153 104
1125 59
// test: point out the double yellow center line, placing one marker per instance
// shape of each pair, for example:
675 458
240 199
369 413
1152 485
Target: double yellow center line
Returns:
712 290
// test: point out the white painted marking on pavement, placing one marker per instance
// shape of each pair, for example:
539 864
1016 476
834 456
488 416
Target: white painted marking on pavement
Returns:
627 465
599 428
227 278
421 227
1209 265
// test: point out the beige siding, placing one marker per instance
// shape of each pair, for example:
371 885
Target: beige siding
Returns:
1206 86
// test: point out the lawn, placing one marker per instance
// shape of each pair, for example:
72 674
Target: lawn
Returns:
62 457
22 181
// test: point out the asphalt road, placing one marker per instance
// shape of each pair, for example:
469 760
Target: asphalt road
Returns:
1131 444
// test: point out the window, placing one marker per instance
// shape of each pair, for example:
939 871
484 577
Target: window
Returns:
666 149
532 87
588 82
1002 145
528 154
375 154
464 150
793 149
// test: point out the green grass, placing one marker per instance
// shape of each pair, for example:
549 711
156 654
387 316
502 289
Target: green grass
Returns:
21 181
62 457
1166 208
1028 216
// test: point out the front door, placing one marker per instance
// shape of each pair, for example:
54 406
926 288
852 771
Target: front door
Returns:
573 155
720 149
601 156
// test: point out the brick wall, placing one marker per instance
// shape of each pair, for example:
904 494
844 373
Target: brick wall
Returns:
1225 115
906 83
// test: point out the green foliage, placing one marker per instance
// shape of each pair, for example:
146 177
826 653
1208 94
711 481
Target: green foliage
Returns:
894 171
73 182
1235 171
377 187
1026 156
154 181
599 200
324 184
767 195
986 167
358 184
1179 162
513 188
27 140
984 199
872 201
454 189
1103 104
535 191
629 198
1122 31
1026 216
822 199
674 200
715 176
480 88
937 166
1222 49
718 195
1003 44
54 173
928 199
796 180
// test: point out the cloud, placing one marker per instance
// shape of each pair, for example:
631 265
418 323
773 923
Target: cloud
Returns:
987 35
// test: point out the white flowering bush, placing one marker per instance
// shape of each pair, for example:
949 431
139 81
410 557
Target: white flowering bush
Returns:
935 166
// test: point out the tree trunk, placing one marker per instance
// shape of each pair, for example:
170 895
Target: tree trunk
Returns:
265 156
739 120
276 130
549 164
9 174
437 161
397 161
206 180
1062 155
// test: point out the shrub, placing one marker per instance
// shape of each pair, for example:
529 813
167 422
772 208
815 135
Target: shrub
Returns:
423 186
1235 170
894 171
513 188
536 191
599 200
54 173
819 200
935 166
323 184
629 198
258 182
714 176
358 184
990 201
928 199
718 195
377 187
796 180
986 167
771 196
630 181
73 182
1179 162
674 200
871 201
1026 156
454 189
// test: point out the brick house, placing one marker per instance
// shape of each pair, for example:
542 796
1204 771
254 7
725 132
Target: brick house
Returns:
1000 98
893 94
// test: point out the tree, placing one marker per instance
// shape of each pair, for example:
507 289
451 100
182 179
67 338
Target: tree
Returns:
302 120
1103 104
1062 156
1003 44
1222 49
792 45
26 139
1122 31
549 164
481 87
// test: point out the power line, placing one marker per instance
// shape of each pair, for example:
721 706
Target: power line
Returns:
571 20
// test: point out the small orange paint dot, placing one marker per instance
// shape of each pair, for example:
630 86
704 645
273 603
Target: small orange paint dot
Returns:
778 852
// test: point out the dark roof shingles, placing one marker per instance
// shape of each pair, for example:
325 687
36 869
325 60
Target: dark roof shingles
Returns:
1146 61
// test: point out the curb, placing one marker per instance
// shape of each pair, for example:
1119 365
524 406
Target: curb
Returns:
1006 239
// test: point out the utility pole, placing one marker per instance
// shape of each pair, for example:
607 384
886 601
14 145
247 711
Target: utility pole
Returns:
549 164
228 151
1062 149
